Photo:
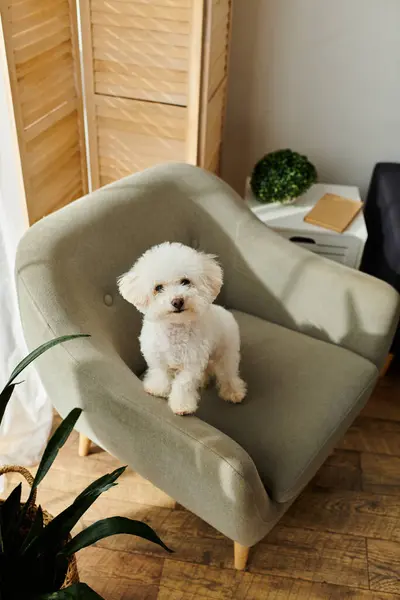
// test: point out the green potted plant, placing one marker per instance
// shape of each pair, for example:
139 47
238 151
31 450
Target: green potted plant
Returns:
282 176
37 553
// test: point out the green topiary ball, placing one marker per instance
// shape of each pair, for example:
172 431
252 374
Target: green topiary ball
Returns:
281 176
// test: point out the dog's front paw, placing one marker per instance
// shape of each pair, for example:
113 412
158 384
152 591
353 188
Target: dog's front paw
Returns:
157 383
182 403
233 391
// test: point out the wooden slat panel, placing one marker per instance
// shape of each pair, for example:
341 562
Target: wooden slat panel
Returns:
19 11
150 41
53 37
28 23
145 11
128 48
43 150
105 181
139 111
64 187
138 71
137 83
38 69
111 89
153 52
128 56
139 62
172 3
163 38
123 20
149 145
50 119
44 176
147 129
119 79
113 155
40 38
37 101
134 135
112 166
53 64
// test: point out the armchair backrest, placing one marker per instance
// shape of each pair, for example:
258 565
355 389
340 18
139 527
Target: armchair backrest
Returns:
75 255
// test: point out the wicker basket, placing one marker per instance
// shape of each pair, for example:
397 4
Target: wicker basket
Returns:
72 575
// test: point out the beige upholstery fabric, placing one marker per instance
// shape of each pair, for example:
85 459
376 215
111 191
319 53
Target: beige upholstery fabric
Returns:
314 336
298 403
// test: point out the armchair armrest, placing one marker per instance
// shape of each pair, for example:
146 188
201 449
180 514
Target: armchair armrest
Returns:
198 465
274 279
313 295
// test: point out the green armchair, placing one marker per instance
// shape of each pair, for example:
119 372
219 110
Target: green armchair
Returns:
314 337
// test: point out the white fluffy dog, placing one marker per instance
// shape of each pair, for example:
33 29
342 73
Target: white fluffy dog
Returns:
185 338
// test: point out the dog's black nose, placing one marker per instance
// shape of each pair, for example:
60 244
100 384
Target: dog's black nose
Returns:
177 303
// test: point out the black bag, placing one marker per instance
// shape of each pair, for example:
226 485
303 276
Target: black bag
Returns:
381 256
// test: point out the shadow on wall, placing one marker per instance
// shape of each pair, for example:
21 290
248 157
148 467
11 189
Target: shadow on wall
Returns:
305 74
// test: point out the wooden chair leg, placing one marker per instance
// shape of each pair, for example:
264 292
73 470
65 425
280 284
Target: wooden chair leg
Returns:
241 555
387 364
84 445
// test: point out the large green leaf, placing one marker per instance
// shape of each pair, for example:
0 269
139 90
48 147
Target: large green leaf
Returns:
111 526
35 530
54 445
9 512
5 396
55 533
38 351
78 591
8 389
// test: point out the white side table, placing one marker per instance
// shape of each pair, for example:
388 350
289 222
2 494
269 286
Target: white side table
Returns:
288 220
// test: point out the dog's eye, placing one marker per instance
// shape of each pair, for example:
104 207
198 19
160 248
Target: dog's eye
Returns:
159 288
185 281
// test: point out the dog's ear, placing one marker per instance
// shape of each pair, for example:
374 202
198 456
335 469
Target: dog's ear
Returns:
213 275
130 289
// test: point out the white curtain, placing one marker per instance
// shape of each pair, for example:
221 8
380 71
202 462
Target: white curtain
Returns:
27 421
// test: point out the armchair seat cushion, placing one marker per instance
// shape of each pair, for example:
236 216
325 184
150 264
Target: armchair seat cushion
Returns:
303 394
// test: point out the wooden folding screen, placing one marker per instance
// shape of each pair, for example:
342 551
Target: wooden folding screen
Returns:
154 85
155 76
43 62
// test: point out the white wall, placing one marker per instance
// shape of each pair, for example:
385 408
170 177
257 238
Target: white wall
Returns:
319 76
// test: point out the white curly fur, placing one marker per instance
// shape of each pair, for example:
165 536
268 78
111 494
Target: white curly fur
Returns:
183 348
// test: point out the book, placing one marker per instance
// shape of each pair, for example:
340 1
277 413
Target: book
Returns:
333 212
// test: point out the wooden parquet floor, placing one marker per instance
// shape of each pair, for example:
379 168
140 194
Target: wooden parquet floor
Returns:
340 540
